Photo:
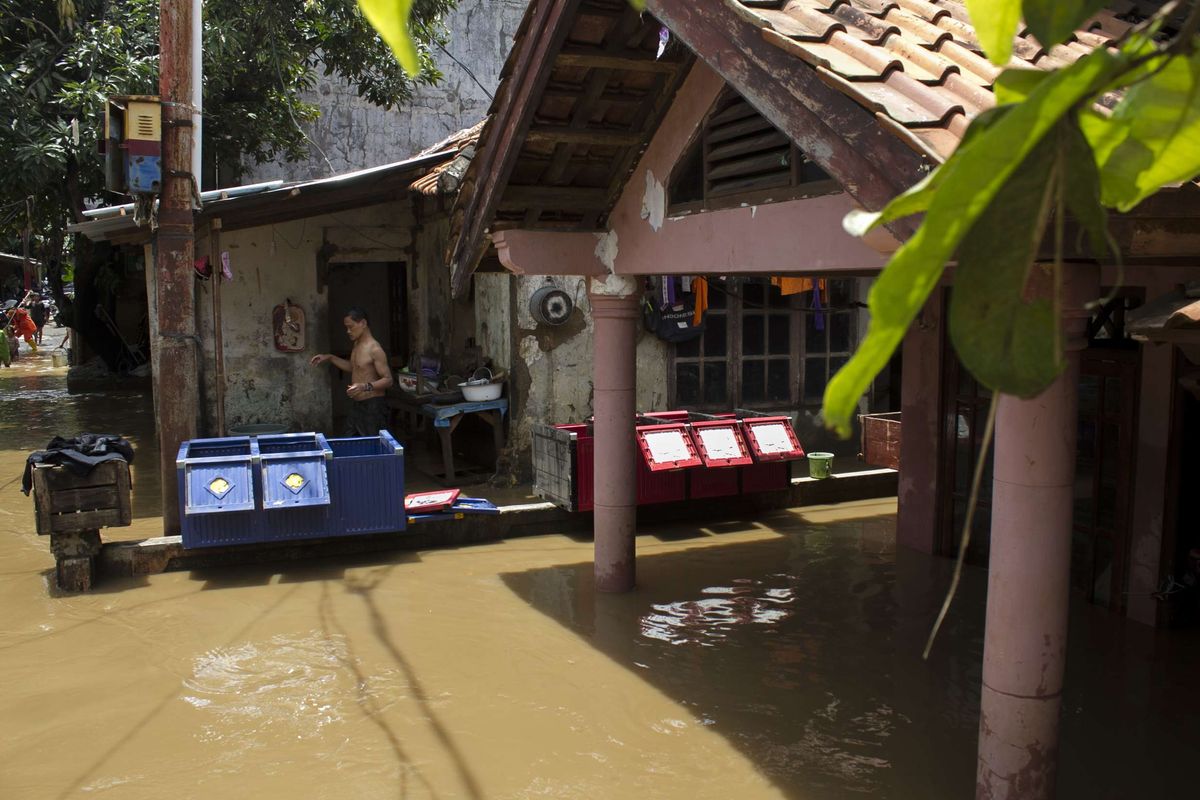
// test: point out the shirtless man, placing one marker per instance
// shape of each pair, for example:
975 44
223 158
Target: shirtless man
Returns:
369 376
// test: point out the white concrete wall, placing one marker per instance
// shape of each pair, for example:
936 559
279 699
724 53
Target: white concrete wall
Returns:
353 134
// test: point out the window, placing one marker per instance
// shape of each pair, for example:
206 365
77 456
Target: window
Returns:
762 348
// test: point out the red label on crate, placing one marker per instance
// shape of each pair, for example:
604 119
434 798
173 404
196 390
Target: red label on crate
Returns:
772 439
721 444
667 447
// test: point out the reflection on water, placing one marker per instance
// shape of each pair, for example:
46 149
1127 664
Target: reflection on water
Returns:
770 658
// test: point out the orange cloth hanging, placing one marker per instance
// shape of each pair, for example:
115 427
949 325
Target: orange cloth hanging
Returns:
700 290
796 285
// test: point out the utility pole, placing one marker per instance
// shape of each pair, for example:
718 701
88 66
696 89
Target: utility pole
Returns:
176 389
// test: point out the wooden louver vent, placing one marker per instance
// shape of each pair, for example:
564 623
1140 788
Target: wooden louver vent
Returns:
740 152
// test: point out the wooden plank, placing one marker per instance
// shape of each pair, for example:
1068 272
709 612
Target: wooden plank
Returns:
561 198
775 161
734 130
629 61
750 144
84 520
739 110
89 499
753 183
555 134
873 165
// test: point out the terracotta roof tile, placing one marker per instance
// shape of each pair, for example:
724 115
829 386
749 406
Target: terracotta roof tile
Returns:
916 63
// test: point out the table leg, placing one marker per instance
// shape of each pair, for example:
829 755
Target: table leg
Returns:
494 419
447 452
445 435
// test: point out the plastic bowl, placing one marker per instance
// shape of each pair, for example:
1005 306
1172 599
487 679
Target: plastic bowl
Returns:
479 392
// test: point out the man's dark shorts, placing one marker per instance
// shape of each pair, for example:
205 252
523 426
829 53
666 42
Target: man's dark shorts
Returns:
367 417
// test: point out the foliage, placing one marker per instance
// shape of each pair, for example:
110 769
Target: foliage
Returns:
60 59
1044 152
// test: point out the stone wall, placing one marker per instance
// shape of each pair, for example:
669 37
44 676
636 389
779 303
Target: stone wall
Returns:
550 367
354 134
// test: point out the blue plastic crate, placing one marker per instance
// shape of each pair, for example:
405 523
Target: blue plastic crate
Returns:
366 481
299 486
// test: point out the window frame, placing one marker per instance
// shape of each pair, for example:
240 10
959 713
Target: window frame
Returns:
797 310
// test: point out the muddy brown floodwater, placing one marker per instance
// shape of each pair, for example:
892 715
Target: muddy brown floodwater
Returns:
775 657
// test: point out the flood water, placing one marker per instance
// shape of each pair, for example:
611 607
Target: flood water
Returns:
774 657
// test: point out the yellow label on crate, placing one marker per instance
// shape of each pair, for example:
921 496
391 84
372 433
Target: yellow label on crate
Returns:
295 481
219 486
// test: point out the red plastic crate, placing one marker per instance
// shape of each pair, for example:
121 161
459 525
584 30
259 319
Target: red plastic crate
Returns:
660 487
585 466
712 482
766 477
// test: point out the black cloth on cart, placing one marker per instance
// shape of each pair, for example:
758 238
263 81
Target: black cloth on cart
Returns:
80 455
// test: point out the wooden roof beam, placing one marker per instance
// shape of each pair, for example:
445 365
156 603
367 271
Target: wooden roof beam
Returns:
559 198
554 134
628 60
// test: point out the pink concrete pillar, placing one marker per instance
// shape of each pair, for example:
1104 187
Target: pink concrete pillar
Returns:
614 379
1029 570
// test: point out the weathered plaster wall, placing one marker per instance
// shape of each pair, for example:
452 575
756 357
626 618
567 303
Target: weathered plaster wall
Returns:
550 367
440 326
263 384
271 263
354 134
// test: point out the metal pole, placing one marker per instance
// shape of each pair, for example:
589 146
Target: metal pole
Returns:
177 399
1029 572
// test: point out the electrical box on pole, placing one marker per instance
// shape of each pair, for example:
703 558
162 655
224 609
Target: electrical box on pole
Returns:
132 144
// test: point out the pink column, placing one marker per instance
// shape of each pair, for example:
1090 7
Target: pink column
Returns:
614 378
1029 569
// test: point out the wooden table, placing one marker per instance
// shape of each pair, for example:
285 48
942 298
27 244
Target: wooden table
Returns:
447 417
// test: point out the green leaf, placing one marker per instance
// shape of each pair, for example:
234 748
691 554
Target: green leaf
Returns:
995 24
390 19
1153 136
1006 343
1081 190
1016 84
639 5
916 198
971 178
1053 21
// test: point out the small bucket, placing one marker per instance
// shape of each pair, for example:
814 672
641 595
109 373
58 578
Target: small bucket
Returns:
58 358
820 465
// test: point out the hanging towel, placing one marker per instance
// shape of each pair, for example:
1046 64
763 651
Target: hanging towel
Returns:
796 285
700 290
819 321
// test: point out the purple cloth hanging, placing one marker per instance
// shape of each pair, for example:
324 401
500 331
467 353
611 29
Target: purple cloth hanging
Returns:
819 322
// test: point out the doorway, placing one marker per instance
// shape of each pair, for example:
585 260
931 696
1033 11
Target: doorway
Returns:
380 289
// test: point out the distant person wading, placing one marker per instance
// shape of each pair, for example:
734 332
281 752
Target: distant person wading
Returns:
369 376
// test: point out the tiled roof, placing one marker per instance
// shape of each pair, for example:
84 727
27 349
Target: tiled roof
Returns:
915 63
432 182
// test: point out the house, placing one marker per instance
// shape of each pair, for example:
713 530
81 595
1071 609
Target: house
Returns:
309 250
728 138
